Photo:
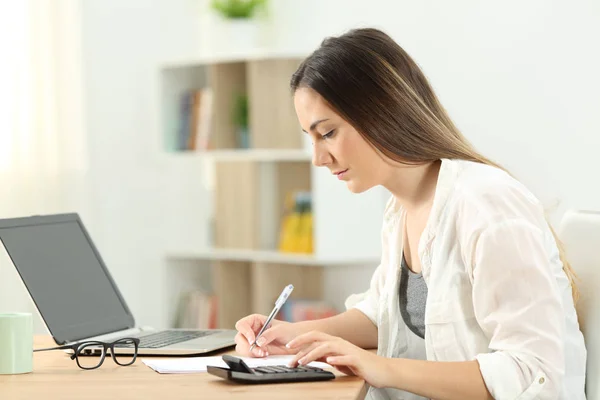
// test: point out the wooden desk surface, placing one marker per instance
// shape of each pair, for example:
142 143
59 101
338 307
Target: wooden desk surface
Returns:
56 376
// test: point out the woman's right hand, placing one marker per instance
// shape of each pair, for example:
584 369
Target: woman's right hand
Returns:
271 342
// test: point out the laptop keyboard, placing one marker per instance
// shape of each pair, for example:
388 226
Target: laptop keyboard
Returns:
167 338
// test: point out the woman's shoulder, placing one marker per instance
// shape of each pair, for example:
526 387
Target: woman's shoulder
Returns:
492 193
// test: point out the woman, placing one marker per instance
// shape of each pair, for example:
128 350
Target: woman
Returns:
473 298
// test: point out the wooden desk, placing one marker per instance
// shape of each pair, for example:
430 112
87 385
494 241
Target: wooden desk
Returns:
56 376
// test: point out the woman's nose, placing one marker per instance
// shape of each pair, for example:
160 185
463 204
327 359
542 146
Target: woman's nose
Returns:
321 156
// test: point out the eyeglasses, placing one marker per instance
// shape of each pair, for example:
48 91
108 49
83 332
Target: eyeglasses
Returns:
87 357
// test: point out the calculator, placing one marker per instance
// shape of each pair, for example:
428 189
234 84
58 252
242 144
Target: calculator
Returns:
239 371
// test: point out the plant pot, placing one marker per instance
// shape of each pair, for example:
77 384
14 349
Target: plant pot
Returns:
235 35
243 138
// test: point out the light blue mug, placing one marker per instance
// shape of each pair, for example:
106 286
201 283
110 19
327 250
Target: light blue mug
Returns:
16 343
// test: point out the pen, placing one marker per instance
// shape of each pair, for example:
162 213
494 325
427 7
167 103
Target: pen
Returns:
278 304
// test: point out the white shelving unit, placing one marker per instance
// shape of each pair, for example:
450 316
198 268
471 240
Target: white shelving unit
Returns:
220 56
265 256
255 155
248 188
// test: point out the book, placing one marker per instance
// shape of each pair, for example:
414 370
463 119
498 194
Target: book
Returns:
296 310
197 310
195 120
204 123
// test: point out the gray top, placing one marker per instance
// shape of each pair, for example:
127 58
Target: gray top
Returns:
413 298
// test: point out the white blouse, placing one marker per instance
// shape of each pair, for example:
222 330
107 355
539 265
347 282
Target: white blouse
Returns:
497 292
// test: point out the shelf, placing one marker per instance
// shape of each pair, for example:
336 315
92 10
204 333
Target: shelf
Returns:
188 121
240 55
265 155
274 257
233 197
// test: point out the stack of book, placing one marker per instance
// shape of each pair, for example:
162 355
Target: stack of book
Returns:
197 310
305 310
195 120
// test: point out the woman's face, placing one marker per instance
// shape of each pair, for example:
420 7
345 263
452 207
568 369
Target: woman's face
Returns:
337 145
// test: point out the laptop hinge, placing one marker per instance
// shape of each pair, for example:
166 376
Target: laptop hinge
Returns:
114 335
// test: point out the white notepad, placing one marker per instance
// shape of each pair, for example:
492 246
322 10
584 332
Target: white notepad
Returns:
199 364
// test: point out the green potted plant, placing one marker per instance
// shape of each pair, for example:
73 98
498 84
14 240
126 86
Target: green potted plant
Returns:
235 26
238 9
240 120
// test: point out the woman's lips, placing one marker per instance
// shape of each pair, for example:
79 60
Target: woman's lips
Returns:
341 174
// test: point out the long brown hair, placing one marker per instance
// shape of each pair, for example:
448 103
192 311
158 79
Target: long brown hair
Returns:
377 87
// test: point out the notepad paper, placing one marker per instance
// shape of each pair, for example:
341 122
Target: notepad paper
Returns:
199 364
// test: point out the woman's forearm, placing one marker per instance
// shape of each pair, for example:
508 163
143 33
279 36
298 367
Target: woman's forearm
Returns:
439 380
352 325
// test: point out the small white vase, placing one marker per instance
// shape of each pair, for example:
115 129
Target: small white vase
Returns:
237 35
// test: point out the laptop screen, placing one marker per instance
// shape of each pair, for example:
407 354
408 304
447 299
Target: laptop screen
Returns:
65 276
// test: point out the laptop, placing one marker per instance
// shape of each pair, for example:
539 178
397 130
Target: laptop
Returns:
76 296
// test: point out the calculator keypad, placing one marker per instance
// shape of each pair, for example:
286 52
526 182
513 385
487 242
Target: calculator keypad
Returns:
282 369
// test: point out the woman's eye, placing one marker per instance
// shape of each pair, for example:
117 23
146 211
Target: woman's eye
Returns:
328 134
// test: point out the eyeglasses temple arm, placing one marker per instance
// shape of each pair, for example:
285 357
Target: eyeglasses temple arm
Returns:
68 347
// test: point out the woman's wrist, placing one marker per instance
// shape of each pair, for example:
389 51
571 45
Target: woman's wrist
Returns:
308 326
392 368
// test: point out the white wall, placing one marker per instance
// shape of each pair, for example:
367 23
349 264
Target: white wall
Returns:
123 44
519 78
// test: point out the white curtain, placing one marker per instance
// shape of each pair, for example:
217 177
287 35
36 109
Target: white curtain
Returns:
42 146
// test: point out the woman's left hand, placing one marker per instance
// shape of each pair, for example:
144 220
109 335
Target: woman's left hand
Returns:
346 357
